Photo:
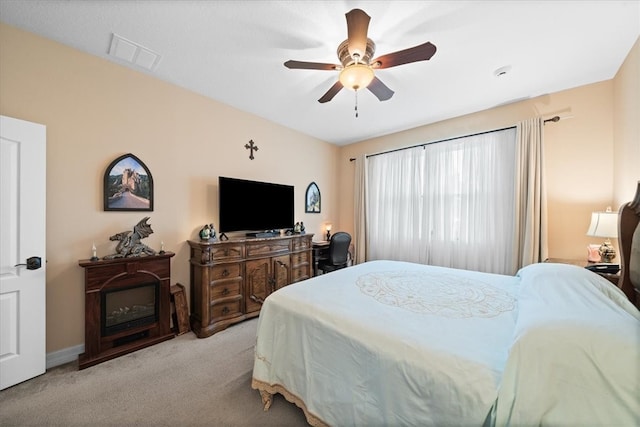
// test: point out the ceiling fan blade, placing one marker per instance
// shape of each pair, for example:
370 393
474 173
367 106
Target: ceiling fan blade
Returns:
301 65
357 28
380 90
421 52
337 87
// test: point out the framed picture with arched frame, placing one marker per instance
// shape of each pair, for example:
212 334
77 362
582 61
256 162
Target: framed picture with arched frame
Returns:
312 199
128 185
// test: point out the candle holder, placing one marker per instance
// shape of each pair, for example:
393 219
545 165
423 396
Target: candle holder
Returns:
94 256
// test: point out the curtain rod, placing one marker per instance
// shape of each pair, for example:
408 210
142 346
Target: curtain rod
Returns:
432 142
352 159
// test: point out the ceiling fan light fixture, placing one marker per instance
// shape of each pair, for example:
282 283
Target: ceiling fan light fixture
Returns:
357 69
356 76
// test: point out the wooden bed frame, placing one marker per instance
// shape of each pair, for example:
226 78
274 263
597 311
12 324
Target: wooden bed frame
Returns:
628 220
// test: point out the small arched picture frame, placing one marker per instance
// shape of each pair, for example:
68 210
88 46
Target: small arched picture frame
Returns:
312 199
128 185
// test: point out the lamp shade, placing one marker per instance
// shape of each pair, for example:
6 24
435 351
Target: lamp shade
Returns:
356 76
603 224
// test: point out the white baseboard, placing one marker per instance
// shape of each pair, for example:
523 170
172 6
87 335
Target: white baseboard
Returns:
66 355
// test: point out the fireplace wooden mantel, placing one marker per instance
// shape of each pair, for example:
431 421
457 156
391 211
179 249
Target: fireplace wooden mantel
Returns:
122 273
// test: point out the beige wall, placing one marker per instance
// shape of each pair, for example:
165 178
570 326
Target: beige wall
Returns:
96 111
626 128
599 120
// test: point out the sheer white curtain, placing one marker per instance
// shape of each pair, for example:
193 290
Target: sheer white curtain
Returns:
450 203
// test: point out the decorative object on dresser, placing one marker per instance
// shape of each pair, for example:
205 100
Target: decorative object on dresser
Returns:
299 228
208 232
231 279
128 185
127 306
604 224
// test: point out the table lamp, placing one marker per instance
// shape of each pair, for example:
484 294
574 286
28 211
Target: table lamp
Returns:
604 224
328 228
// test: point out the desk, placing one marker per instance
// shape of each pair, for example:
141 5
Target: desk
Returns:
319 251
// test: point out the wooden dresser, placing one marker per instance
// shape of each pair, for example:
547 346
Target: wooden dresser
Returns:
230 279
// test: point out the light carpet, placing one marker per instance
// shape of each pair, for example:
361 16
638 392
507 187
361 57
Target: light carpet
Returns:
185 381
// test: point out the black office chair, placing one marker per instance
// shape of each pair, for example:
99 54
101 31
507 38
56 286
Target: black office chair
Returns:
338 256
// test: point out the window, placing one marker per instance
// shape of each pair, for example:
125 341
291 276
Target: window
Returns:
449 203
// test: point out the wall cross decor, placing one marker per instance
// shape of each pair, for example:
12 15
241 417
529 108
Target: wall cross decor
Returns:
251 146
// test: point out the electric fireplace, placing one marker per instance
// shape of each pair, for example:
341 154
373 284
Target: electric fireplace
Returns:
127 306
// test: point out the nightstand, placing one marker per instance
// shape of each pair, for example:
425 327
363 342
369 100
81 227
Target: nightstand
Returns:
613 278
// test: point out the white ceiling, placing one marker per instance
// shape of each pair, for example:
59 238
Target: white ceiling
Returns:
233 52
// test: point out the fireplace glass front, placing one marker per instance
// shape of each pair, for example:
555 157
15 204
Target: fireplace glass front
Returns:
131 307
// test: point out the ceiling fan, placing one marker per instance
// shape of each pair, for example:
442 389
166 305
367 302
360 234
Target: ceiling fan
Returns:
357 67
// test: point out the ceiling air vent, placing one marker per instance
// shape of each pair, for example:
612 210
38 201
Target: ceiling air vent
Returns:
133 53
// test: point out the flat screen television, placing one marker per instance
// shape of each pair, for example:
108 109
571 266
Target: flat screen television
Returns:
254 206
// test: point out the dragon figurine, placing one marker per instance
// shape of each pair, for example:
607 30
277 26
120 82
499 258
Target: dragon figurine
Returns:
129 241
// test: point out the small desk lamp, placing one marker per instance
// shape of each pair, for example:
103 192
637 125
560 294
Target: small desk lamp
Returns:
328 228
604 224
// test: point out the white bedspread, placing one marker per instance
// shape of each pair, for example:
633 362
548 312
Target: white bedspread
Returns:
389 343
575 360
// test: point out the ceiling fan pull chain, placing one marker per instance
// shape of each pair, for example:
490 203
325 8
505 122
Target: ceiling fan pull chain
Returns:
356 91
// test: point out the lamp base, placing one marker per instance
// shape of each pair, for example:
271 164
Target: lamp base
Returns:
328 235
607 252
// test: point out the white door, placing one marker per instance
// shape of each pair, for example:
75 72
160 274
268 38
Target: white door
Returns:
22 241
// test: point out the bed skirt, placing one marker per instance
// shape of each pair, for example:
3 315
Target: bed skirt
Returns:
267 391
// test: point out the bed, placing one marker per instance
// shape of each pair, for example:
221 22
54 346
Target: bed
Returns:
393 343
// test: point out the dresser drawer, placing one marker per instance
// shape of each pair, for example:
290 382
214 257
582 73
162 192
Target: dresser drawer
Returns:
226 252
226 288
226 309
267 247
301 243
225 271
300 258
300 273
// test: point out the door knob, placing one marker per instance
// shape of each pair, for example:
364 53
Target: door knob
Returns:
33 263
